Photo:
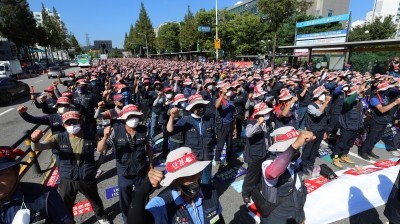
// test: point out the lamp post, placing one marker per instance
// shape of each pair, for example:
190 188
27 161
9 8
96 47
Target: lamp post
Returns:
216 28
147 48
366 34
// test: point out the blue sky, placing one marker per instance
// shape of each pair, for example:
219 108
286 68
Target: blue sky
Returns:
109 20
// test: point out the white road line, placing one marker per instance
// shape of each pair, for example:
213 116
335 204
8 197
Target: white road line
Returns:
6 111
38 81
357 156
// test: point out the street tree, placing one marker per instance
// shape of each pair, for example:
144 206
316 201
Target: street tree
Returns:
144 29
189 32
74 43
380 29
17 23
278 12
168 39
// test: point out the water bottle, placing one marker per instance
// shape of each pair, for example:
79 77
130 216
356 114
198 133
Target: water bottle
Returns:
318 171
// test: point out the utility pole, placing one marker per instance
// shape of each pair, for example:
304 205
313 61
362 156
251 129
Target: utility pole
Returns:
87 40
216 27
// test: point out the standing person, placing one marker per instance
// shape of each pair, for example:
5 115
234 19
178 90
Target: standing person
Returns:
111 114
197 130
179 102
186 200
208 93
132 145
282 181
240 99
257 144
305 95
77 167
285 111
46 104
225 123
335 108
351 121
16 196
316 123
380 118
88 100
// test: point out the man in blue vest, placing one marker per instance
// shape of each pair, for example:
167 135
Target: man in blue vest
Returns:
132 145
225 123
351 120
16 198
316 122
77 167
46 104
185 200
88 100
197 130
209 94
257 144
380 118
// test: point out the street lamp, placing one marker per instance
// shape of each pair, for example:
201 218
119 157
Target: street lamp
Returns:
366 34
147 48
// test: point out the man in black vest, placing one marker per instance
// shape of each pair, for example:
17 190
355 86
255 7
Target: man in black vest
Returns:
350 122
46 104
282 183
77 167
132 145
197 130
380 118
44 203
239 98
88 100
185 201
316 122
257 144
208 93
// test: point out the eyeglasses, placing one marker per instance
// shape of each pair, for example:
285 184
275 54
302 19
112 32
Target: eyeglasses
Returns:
71 122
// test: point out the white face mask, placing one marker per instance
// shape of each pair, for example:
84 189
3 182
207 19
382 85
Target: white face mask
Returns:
62 110
229 93
322 98
183 104
169 95
346 88
133 122
73 129
22 216
266 117
70 78
210 87
308 85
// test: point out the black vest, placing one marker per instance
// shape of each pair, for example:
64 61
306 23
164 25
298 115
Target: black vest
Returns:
353 117
315 124
240 102
337 104
203 145
68 167
210 109
56 124
85 100
130 156
381 118
292 207
179 213
288 120
256 144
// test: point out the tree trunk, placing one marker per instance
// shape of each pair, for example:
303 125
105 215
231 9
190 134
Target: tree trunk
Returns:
273 52
58 56
47 57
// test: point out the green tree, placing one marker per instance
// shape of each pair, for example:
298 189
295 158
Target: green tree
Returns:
278 12
116 53
380 29
143 26
169 38
17 23
75 44
189 32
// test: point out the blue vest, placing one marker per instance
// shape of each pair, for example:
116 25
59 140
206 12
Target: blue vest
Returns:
68 167
315 124
288 120
130 156
201 145
291 208
256 144
210 206
337 104
352 118
240 102
56 124
377 116
212 97
84 99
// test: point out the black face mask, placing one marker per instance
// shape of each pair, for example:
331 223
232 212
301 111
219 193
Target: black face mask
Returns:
191 190
200 111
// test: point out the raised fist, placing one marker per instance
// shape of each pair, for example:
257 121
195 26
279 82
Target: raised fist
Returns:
101 104
36 135
22 109
174 111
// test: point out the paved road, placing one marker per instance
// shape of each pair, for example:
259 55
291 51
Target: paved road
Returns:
235 211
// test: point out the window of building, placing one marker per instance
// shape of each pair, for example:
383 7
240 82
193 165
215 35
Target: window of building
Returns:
329 13
37 15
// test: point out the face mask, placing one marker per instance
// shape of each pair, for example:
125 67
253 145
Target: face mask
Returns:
24 215
192 190
229 93
359 97
200 111
322 98
73 129
133 122
81 89
169 95
210 87
80 74
183 104
346 88
349 76
308 85
62 110
70 78
266 117
93 83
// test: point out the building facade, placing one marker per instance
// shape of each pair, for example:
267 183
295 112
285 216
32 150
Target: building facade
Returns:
39 18
240 7
384 8
328 8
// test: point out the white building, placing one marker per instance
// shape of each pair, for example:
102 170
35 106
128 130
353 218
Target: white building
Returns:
39 18
388 7
158 28
368 17
357 23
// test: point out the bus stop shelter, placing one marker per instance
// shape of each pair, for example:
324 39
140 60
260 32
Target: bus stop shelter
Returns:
348 47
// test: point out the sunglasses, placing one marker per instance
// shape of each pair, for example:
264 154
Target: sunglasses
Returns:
71 122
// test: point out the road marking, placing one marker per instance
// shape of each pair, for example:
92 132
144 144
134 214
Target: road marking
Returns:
39 81
6 111
357 156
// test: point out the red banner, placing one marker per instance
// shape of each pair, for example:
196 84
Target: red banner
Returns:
82 208
386 163
53 180
316 183
359 171
241 63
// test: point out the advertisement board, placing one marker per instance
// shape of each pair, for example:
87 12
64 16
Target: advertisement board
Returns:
205 29
328 34
323 20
